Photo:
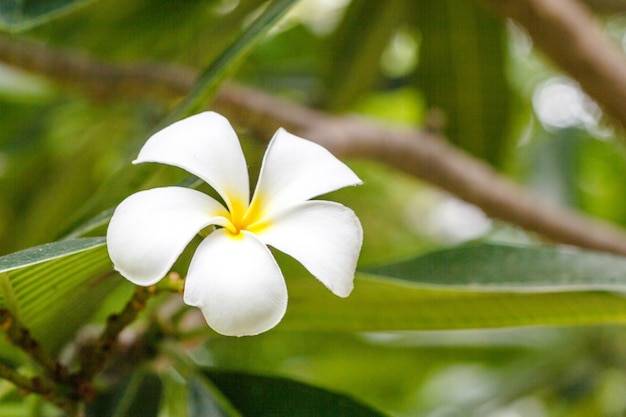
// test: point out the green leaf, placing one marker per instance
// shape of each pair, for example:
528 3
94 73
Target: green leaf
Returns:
492 267
187 393
14 409
265 396
462 72
206 400
22 14
47 252
52 289
485 286
138 394
132 178
174 400
357 48
212 76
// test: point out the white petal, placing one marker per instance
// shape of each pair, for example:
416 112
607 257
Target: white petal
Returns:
150 229
237 284
295 170
323 236
207 146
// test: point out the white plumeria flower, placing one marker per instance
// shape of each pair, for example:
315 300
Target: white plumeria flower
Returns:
233 277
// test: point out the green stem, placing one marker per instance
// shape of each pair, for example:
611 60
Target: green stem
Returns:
172 283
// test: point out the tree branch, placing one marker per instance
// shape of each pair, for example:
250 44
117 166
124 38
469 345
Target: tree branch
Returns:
95 357
419 153
56 387
38 385
20 336
566 31
606 6
426 156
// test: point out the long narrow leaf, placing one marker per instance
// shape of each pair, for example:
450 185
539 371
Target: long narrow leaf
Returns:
474 287
264 396
509 267
461 71
212 76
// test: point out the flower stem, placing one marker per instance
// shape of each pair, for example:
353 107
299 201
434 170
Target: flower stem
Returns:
172 283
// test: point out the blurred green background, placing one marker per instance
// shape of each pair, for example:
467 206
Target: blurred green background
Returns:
453 65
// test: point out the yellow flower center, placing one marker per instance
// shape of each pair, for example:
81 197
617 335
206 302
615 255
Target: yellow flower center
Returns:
245 218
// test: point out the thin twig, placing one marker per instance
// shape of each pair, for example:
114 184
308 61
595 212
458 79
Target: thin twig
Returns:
21 337
419 153
95 358
58 387
37 385
40 385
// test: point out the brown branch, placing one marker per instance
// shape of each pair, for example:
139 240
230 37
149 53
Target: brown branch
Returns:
56 387
606 6
94 357
27 385
419 153
428 157
64 388
568 34
20 336
97 79
41 386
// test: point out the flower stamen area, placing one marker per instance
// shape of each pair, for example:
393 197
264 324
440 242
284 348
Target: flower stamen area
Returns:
249 219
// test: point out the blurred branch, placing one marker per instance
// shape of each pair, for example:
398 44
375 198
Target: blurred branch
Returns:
607 6
26 385
56 386
99 80
422 154
59 386
36 385
20 336
566 31
95 358
427 156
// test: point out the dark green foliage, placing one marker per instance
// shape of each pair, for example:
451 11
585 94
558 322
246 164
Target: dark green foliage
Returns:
22 14
462 73
261 396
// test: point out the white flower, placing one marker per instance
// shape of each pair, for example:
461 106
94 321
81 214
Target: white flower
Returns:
233 277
